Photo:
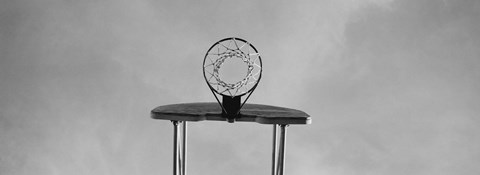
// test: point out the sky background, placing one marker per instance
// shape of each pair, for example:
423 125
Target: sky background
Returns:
393 87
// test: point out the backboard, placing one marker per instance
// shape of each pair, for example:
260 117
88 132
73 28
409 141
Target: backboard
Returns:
263 114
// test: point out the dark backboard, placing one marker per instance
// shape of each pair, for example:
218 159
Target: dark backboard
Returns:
263 114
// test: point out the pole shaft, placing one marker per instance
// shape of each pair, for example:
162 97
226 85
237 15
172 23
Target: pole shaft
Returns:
282 147
175 147
275 149
184 148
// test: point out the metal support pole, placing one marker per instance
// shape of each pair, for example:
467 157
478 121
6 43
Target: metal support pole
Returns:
175 147
282 147
275 149
180 148
184 148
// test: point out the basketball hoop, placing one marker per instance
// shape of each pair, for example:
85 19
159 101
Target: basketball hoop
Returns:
232 50
232 68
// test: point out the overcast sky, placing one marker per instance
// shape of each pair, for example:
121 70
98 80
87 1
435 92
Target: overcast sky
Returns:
393 87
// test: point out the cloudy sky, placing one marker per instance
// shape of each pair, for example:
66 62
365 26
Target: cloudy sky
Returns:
392 86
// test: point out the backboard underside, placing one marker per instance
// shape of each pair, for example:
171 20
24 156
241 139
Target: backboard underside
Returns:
263 114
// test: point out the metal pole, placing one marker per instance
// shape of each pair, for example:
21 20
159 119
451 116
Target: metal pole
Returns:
180 148
184 148
282 147
175 147
275 150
